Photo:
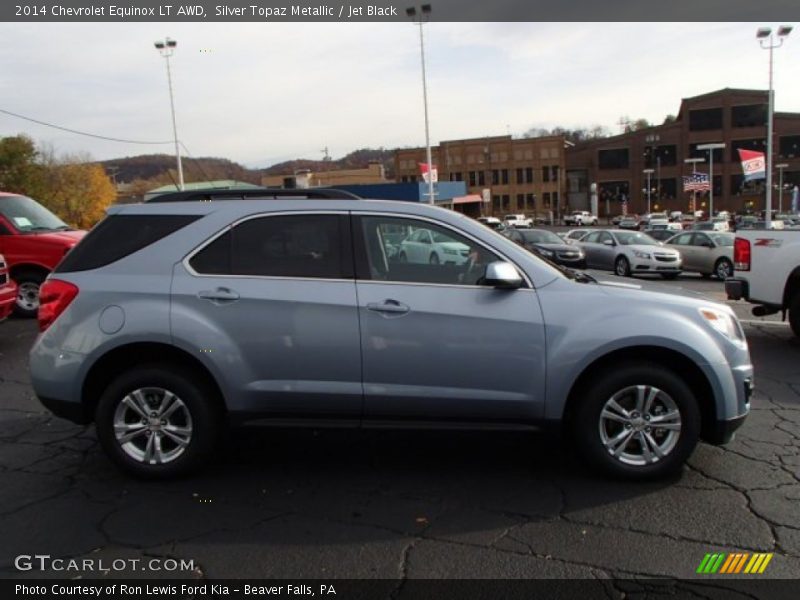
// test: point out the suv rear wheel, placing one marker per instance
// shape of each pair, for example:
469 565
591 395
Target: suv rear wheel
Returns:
156 422
639 422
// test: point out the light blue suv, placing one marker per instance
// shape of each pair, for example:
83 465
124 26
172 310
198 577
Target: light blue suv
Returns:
171 320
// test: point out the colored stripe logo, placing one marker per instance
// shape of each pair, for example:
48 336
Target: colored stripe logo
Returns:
734 563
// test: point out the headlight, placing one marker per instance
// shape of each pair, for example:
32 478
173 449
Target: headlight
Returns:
724 322
546 253
449 251
639 254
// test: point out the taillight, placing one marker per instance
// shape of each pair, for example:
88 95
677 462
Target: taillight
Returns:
741 254
54 298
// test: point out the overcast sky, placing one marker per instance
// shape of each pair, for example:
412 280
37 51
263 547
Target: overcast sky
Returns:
262 93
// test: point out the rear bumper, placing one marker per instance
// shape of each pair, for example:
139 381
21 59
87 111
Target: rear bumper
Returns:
737 289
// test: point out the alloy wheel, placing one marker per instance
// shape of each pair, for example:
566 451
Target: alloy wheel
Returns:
152 425
640 425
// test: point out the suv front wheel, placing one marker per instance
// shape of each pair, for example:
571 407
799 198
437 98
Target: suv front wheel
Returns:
157 423
640 421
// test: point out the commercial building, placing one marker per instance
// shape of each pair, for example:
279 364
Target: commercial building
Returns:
502 174
734 117
373 173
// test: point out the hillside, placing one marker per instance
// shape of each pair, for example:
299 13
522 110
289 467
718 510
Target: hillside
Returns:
157 167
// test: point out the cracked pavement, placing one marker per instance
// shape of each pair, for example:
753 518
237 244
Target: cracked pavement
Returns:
403 505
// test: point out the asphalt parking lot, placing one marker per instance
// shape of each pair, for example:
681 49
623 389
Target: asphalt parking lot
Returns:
404 505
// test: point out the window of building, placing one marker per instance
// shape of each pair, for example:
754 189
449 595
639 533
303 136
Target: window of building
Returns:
705 119
758 144
520 201
545 174
554 172
667 155
504 176
285 246
529 175
617 158
719 153
555 198
506 202
520 176
472 181
740 187
666 189
530 199
481 178
750 115
404 179
495 177
789 146
496 204
546 199
613 191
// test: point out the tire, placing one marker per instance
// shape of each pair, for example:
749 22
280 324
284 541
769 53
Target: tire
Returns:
723 269
599 438
434 259
195 421
794 313
670 275
28 284
622 267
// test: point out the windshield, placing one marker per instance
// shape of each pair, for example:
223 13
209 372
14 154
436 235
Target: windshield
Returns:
538 236
28 215
629 238
722 239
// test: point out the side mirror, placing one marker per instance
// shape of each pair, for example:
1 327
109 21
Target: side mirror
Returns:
608 242
502 275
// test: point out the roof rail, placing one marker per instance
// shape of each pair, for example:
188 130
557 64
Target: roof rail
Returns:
212 194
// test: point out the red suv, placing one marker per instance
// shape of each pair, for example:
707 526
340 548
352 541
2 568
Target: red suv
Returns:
8 291
33 241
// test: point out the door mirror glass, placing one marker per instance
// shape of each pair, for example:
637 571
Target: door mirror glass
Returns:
608 242
503 275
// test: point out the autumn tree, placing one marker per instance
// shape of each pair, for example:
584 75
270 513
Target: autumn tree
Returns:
20 169
77 190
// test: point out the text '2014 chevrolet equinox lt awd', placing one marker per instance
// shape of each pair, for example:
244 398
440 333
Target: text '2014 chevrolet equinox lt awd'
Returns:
169 320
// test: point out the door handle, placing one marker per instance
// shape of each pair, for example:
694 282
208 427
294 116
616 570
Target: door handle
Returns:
220 295
388 306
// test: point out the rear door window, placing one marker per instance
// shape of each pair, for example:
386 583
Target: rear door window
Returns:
315 246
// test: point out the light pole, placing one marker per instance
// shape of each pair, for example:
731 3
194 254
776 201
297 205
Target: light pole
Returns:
767 42
424 16
780 168
711 148
648 172
167 48
693 162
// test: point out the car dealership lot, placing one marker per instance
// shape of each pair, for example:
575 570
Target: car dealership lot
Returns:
292 503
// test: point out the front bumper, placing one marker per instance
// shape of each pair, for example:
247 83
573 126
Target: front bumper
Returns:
8 296
656 266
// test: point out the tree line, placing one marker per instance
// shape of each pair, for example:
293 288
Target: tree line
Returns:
72 186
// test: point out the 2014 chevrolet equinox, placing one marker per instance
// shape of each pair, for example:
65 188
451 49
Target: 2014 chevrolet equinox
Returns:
171 319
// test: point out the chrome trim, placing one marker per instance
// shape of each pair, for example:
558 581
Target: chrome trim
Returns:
191 254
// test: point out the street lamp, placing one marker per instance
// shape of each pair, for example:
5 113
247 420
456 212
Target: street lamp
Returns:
711 148
767 42
424 17
780 168
167 48
693 162
648 172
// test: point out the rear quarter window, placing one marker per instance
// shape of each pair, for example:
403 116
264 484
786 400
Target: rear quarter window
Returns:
118 236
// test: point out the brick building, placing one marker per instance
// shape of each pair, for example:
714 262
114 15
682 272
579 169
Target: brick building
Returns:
514 175
734 117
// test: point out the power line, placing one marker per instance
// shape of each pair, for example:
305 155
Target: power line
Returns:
75 131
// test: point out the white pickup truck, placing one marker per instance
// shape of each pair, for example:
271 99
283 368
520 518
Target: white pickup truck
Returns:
767 272
517 221
580 218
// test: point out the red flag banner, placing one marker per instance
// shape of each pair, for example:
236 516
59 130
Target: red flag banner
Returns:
753 164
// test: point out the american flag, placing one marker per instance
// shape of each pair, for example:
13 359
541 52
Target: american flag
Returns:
696 182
